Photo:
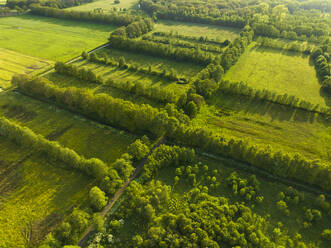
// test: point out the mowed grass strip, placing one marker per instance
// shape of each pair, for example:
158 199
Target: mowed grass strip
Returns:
34 193
12 62
86 137
194 29
106 5
286 129
278 71
51 38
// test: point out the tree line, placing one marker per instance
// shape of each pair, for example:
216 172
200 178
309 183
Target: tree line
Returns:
242 88
180 43
161 50
285 45
237 47
321 60
122 63
135 29
25 4
114 111
291 166
114 18
155 92
24 136
201 39
181 13
144 118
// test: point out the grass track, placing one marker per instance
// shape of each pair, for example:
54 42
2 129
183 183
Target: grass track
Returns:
51 38
198 30
282 72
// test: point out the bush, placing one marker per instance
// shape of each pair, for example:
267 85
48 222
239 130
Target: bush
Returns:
98 199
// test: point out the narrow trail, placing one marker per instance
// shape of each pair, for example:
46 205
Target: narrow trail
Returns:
118 194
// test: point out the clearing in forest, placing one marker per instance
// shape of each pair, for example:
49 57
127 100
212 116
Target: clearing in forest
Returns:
106 5
51 38
35 196
278 71
87 138
194 29
16 63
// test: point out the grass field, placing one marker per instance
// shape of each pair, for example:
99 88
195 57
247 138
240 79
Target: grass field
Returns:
267 124
106 5
12 62
34 194
282 72
86 137
3 2
142 60
51 38
198 30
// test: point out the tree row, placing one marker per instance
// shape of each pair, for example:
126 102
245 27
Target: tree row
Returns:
114 18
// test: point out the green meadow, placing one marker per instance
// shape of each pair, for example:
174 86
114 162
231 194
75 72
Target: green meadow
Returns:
265 124
16 63
106 5
51 38
35 196
86 137
198 30
278 71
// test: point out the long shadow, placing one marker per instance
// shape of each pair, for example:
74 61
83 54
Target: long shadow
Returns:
264 108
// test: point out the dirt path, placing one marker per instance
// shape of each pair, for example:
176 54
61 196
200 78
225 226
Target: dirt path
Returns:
120 192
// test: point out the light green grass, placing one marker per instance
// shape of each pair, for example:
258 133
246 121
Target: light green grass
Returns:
86 137
198 30
3 2
34 192
265 124
106 5
142 60
51 38
12 62
282 72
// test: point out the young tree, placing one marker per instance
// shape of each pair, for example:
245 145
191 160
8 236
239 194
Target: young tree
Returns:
97 198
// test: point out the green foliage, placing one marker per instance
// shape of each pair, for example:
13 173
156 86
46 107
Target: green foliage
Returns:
97 198
138 150
326 235
115 18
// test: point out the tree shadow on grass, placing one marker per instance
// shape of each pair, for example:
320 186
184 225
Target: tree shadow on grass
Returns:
264 108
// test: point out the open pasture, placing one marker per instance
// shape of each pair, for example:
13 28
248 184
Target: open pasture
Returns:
262 123
194 29
35 196
106 5
278 71
51 38
12 62
86 137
